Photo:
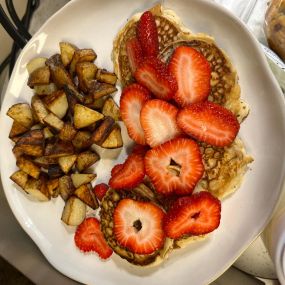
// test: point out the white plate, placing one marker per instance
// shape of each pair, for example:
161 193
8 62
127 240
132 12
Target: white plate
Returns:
94 24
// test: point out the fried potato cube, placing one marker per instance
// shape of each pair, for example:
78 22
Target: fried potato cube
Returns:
57 103
81 55
17 151
58 149
17 129
110 108
98 89
103 131
39 108
79 179
85 194
45 161
66 187
47 133
36 63
96 103
37 188
66 52
73 94
52 186
66 162
114 140
82 140
107 77
68 132
40 76
45 89
85 71
84 116
86 159
28 167
20 178
74 212
22 114
54 171
53 121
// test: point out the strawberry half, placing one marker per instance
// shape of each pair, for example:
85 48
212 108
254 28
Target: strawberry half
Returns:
209 122
116 169
158 120
138 226
88 237
100 190
193 215
130 175
147 34
193 74
154 75
134 52
174 167
140 149
131 102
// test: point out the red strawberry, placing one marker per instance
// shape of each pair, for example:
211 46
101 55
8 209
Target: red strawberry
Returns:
100 190
88 237
134 52
153 74
174 167
131 174
140 149
147 34
158 120
131 102
193 74
138 226
116 169
209 122
193 215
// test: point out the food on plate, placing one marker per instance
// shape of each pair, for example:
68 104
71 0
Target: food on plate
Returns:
100 190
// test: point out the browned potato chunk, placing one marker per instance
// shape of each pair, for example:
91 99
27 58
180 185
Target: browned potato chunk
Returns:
17 129
52 186
39 76
39 108
81 55
17 151
66 52
54 171
45 161
84 116
86 159
110 108
107 77
37 188
66 162
66 187
74 212
79 179
57 103
68 132
47 133
73 95
98 90
54 122
85 71
22 114
103 131
85 194
45 89
82 140
32 143
20 178
36 63
97 103
58 149
114 140
29 167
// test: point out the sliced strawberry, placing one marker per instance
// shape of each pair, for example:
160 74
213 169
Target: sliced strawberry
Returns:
174 167
140 149
154 75
116 169
147 34
100 190
131 102
131 174
138 226
134 52
193 215
88 237
193 74
158 120
209 122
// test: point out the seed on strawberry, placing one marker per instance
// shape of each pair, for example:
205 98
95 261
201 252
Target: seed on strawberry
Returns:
193 215
147 34
88 237
134 52
154 75
100 190
209 122
130 175
138 226
158 120
131 102
174 167
193 74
